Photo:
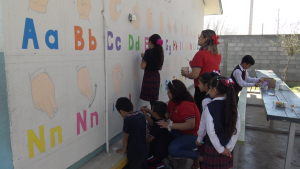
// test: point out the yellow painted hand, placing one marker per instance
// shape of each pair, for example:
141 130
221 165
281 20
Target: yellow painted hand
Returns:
84 83
43 91
39 5
84 8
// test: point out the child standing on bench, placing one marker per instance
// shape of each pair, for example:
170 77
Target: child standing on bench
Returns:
222 125
241 77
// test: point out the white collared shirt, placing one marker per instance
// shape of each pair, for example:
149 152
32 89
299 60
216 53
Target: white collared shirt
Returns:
248 82
207 126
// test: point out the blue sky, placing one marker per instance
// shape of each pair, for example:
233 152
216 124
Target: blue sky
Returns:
237 13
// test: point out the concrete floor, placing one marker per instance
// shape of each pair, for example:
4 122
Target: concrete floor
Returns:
262 150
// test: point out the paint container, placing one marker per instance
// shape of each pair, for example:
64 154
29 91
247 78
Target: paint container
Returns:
281 86
265 85
279 103
185 69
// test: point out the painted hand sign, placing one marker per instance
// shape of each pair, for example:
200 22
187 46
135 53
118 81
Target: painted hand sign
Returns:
114 14
149 19
43 91
117 78
136 12
84 8
84 83
39 5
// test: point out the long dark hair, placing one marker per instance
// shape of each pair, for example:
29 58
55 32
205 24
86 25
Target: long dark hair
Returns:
209 45
230 110
205 78
179 92
158 51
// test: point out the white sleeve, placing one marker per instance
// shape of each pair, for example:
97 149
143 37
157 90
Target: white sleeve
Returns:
205 103
235 137
251 79
238 77
202 128
212 134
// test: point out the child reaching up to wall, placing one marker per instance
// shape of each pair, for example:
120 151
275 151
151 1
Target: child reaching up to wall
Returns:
158 137
222 125
134 139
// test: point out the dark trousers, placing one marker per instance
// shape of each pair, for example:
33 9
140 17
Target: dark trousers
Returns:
136 164
198 97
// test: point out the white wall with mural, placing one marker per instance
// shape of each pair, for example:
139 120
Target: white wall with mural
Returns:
54 58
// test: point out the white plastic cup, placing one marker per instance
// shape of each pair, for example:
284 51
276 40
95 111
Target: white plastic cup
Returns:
266 87
185 69
281 86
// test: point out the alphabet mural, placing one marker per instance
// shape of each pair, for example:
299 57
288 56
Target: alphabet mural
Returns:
66 48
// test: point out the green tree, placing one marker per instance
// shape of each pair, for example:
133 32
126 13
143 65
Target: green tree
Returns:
289 45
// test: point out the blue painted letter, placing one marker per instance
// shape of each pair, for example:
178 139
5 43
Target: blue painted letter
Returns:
53 33
29 33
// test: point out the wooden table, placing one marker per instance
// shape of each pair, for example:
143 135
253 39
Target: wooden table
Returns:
289 114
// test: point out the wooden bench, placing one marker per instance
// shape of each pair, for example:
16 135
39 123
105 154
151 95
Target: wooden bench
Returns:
241 140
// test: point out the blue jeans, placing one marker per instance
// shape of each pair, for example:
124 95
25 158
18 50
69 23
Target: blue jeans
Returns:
183 145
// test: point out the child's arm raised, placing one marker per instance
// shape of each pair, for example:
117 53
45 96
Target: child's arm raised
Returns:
148 118
125 143
235 137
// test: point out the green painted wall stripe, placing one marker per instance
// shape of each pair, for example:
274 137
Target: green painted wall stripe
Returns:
5 144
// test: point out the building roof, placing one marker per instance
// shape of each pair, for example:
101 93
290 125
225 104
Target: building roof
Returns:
213 7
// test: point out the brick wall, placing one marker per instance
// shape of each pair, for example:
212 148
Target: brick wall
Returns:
266 55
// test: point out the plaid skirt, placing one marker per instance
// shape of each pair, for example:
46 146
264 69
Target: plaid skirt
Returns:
150 86
213 160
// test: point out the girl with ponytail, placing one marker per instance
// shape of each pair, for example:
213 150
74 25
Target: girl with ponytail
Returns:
152 62
222 125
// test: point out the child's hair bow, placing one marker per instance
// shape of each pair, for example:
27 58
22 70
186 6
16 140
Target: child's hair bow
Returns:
227 82
216 73
215 39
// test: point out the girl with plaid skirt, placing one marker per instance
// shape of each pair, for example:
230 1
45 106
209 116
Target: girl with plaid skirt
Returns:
222 125
152 62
